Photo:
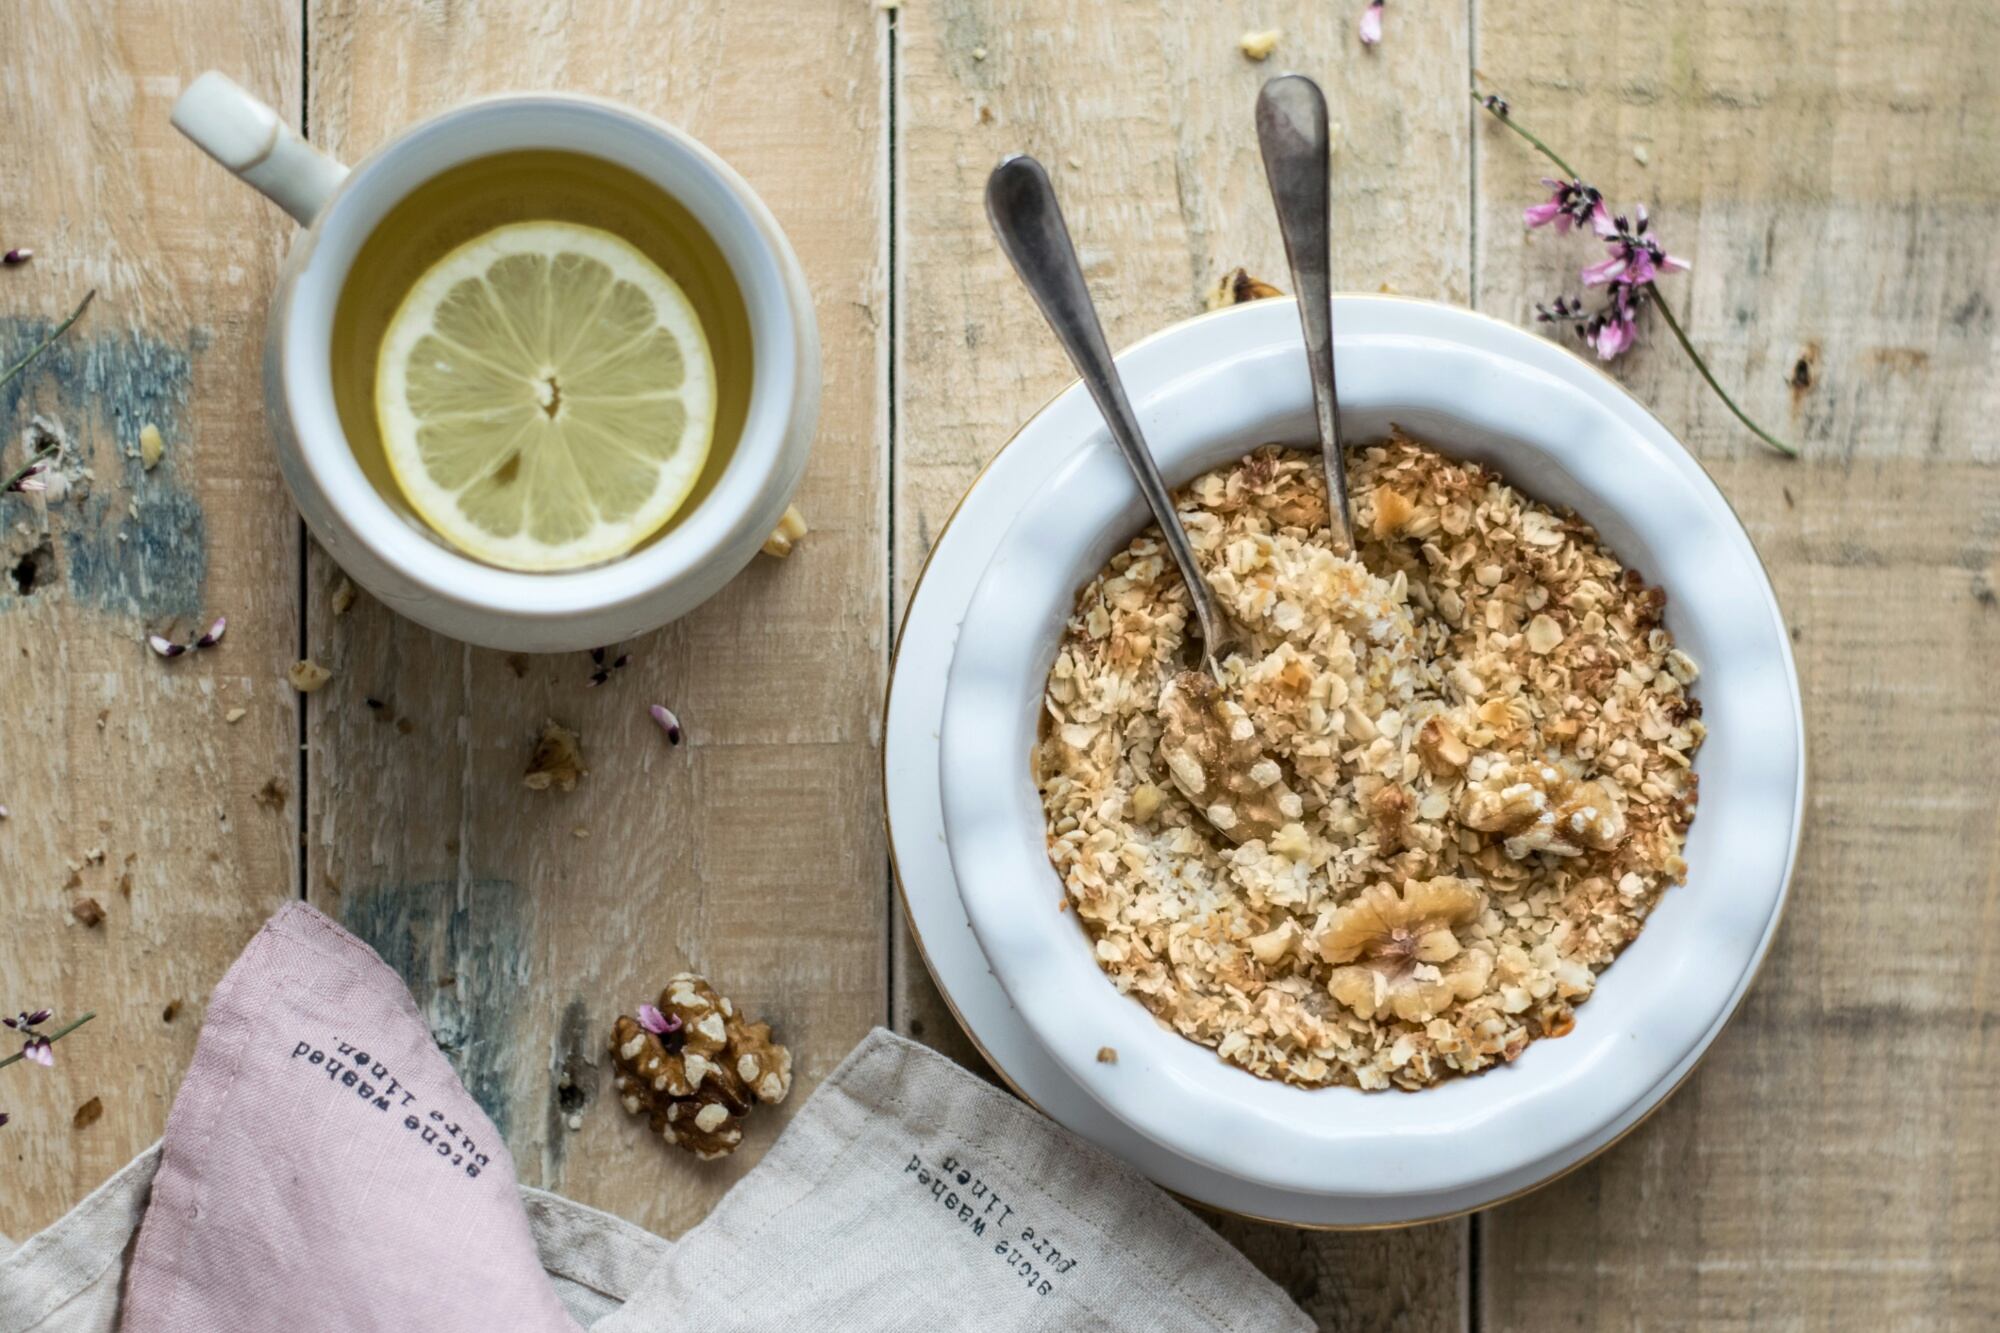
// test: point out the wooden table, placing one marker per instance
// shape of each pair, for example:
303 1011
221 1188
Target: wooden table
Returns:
1833 168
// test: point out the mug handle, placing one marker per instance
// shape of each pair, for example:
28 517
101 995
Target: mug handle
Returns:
251 140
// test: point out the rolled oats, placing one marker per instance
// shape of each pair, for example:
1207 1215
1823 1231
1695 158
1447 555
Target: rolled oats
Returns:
1439 788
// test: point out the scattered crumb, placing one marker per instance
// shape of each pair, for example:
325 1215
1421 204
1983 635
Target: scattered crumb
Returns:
518 664
125 885
171 1012
574 1120
235 715
152 448
404 726
790 528
579 832
1640 154
87 1114
87 911
1259 45
343 597
75 880
1063 906
307 675
1107 1055
1236 287
557 760
95 856
272 795
979 53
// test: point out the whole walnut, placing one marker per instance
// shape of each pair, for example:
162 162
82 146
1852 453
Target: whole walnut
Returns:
694 1067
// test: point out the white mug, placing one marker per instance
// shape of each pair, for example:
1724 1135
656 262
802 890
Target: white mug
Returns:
391 554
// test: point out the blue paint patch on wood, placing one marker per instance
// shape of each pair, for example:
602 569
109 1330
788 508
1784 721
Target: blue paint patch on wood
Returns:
461 948
102 389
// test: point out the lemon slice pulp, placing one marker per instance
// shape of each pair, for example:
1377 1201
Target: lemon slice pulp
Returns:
546 396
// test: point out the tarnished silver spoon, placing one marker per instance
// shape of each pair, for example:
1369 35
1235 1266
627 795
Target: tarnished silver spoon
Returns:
1292 131
1021 205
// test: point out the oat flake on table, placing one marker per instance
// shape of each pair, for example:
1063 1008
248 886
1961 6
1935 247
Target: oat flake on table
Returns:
1482 736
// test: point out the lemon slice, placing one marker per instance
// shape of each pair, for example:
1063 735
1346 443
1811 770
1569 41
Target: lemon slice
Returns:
546 396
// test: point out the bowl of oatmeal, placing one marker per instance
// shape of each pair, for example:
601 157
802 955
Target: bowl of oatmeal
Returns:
1480 831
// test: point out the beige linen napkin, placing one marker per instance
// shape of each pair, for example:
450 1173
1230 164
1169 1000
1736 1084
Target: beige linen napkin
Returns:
905 1194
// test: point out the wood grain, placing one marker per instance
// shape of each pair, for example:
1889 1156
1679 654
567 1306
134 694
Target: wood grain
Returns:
1143 115
118 767
526 921
1831 1164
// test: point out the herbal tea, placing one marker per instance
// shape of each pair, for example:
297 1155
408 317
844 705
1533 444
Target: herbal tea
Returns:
542 358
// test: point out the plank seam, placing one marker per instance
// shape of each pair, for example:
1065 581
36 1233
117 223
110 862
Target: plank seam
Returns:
890 997
303 774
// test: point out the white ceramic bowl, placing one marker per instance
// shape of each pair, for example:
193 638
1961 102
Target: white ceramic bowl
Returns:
1209 391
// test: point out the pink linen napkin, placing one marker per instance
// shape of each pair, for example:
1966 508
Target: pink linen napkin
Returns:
323 1168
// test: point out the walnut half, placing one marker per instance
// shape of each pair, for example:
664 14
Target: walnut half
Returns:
698 1070
1401 952
1211 749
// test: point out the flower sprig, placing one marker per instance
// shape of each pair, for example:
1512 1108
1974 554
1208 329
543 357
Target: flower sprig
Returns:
27 477
1634 260
35 1049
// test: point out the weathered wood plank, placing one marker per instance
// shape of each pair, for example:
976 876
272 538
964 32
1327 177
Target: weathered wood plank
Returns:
753 852
1143 115
1831 175
119 768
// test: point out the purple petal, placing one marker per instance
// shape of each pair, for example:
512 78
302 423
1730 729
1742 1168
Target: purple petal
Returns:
651 1019
1672 263
1602 222
39 1016
668 722
1613 338
1540 215
214 634
163 647
20 254
30 485
1596 275
37 1052
1371 24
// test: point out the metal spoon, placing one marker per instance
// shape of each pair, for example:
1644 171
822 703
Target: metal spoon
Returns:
1021 204
1291 129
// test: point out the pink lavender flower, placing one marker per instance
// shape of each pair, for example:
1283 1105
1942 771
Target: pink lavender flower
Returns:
29 479
36 1050
657 1023
1371 24
1570 203
213 634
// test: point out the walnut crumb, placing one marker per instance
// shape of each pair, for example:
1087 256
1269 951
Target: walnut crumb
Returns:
1107 1055
786 535
1259 45
87 911
307 675
556 761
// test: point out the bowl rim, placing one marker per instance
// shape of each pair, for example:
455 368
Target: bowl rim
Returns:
1149 1103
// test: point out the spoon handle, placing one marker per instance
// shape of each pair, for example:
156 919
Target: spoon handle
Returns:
1291 130
1021 204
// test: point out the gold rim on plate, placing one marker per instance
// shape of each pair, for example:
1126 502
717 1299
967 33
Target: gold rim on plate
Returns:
903 897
